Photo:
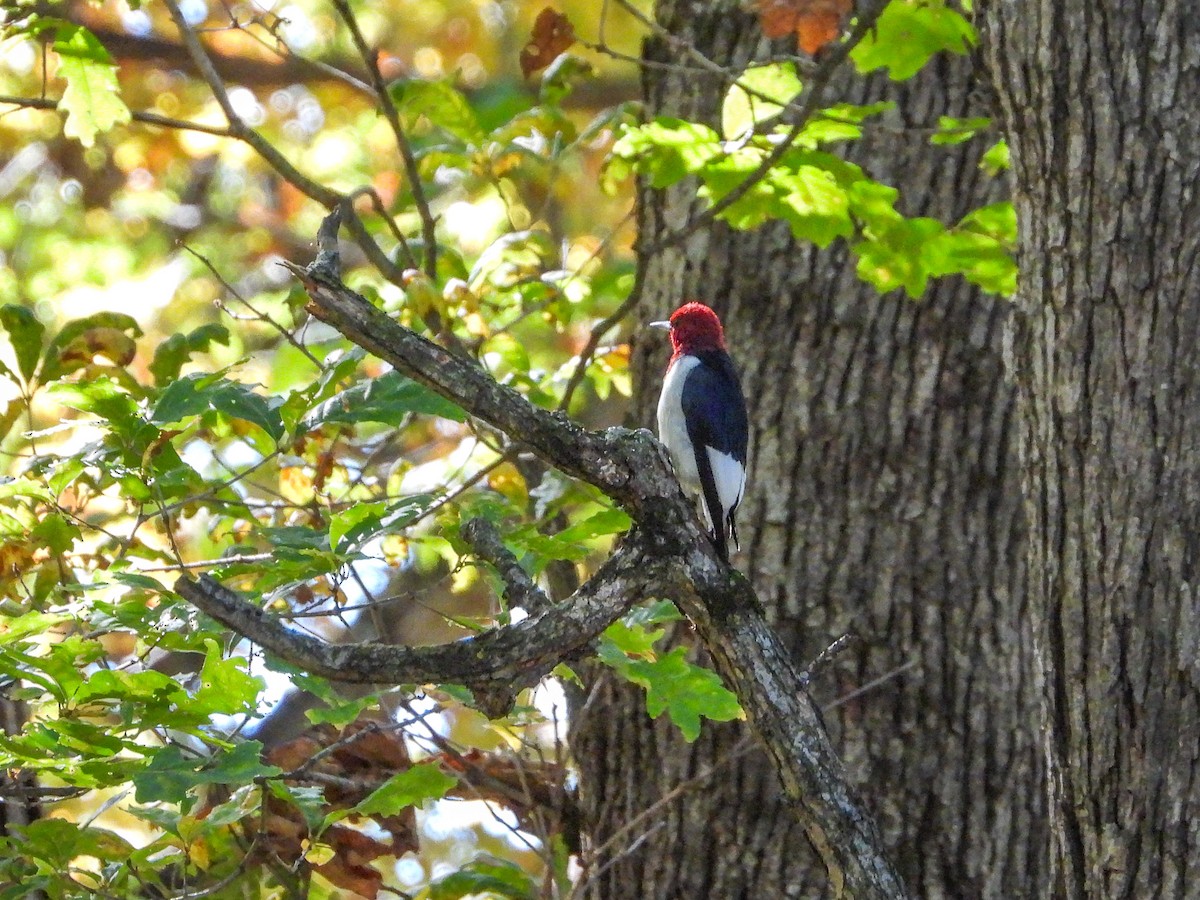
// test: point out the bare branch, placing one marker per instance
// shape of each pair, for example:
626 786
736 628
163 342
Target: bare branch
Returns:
520 589
238 129
585 355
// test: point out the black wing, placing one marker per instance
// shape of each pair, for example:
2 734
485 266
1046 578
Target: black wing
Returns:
715 411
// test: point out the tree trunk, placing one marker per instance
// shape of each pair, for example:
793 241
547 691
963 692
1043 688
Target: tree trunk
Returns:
883 501
1101 102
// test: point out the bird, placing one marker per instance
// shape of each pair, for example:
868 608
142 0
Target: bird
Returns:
702 419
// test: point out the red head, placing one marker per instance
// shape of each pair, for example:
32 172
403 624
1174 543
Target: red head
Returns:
694 328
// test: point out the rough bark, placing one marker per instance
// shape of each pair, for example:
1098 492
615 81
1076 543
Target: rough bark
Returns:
1101 103
883 501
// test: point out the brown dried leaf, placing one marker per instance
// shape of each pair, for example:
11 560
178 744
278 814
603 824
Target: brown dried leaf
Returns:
111 343
552 34
384 750
350 867
814 22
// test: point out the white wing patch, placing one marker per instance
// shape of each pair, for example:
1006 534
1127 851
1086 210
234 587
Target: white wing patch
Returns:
730 477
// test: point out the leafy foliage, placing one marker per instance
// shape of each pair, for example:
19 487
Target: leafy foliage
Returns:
909 33
823 198
683 690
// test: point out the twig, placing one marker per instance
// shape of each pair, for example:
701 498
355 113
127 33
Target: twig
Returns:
869 686
428 224
585 355
519 588
744 746
826 656
261 316
137 115
239 130
208 563
381 211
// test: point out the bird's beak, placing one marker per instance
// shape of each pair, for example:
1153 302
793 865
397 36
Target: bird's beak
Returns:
665 326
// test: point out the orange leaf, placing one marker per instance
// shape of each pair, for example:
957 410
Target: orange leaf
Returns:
814 22
815 30
552 34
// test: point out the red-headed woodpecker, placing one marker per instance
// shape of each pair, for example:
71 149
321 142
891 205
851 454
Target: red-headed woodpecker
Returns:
702 418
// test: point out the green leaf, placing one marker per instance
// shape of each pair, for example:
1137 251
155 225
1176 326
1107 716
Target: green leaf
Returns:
908 33
628 639
23 487
665 149
167 778
225 685
170 775
443 105
686 692
339 715
310 800
91 100
486 877
560 78
956 131
386 399
241 765
360 523
172 353
56 533
110 333
898 254
773 87
997 220
983 259
996 160
815 206
244 801
31 623
25 334
107 399
425 781
58 842
193 395
653 613
607 521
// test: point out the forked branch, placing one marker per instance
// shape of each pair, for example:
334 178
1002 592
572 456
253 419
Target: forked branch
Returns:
677 561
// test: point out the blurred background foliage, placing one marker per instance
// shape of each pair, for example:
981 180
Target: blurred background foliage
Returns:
136 260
